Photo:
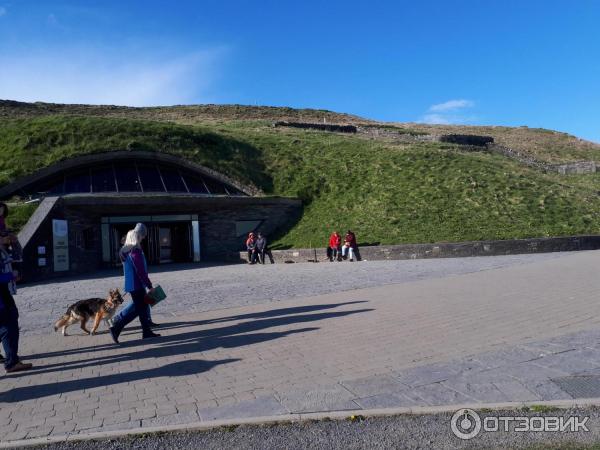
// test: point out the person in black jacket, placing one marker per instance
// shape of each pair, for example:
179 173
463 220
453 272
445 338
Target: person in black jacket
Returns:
9 314
262 249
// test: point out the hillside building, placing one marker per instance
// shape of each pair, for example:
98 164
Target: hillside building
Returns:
88 203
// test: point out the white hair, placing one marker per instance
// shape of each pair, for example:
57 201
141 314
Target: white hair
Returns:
132 240
141 229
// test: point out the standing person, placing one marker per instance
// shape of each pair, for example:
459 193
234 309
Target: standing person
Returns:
136 282
9 314
6 258
262 249
142 231
14 246
129 309
335 246
251 247
349 245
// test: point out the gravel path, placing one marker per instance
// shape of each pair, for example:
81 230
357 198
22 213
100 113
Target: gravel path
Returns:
199 288
407 431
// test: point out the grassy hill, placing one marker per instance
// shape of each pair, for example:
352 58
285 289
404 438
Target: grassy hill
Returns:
387 192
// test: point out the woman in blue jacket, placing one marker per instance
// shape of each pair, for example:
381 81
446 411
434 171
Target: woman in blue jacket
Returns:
135 272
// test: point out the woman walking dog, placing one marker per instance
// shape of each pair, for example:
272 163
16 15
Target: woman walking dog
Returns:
136 282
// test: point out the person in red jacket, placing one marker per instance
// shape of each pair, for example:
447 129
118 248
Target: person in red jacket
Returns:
349 245
335 246
251 248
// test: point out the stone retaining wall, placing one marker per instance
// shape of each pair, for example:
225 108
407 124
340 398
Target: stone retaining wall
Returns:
467 139
318 126
524 158
444 250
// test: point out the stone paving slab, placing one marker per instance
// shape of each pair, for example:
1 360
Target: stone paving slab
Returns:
204 287
480 337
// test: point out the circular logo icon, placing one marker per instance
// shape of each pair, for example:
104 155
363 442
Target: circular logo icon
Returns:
465 424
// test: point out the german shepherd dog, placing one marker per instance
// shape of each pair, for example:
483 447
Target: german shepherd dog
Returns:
84 310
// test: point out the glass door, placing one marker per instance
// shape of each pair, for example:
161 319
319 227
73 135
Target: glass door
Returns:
164 237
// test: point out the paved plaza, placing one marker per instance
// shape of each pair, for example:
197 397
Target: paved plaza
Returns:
245 341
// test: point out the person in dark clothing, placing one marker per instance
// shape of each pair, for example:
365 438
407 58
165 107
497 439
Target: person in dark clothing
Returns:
262 249
9 315
136 282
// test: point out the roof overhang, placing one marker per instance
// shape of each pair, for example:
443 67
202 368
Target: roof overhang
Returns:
99 158
112 203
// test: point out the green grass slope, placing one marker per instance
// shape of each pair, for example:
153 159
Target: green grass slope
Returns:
386 193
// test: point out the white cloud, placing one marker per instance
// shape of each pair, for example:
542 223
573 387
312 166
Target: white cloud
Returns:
435 119
451 112
451 105
88 76
2 11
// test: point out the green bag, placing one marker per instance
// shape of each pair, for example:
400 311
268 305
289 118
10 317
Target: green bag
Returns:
156 296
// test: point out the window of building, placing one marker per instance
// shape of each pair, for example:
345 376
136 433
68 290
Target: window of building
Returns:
195 184
131 176
103 179
77 182
150 178
172 180
215 187
127 178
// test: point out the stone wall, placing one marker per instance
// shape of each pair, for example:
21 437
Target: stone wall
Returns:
217 219
444 250
525 158
400 136
576 167
467 139
218 238
318 126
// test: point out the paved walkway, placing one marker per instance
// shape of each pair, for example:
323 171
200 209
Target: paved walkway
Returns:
518 332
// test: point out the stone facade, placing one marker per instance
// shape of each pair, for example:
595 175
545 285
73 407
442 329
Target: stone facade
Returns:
217 217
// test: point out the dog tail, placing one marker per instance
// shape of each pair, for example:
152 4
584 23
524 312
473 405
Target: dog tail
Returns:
62 321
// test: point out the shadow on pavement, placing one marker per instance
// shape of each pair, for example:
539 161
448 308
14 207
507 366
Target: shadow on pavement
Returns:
257 315
292 314
170 370
232 336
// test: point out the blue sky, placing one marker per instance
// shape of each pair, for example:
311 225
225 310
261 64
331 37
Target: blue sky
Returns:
527 62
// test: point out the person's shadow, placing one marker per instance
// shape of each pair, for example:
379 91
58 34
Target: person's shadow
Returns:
170 370
189 342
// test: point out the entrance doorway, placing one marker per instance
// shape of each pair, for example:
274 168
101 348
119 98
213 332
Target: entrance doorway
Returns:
166 242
